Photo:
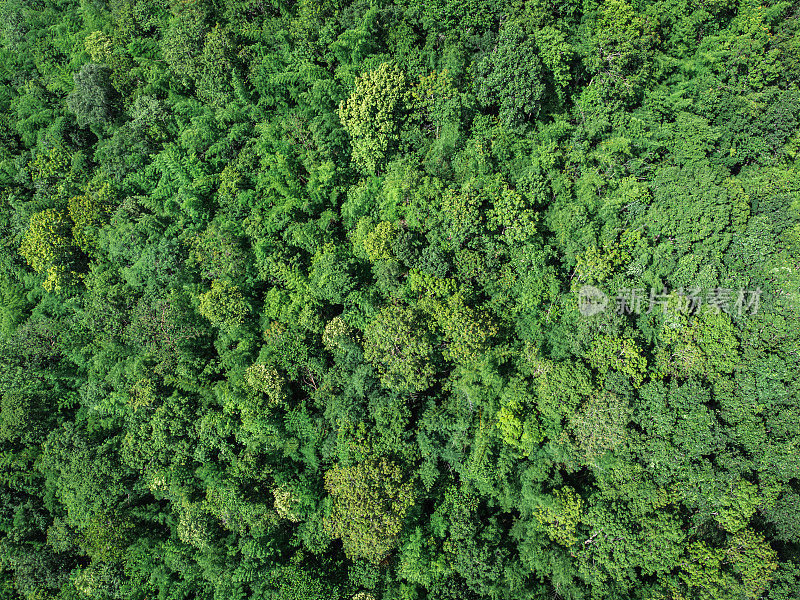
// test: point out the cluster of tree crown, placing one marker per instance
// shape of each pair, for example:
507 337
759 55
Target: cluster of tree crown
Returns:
288 299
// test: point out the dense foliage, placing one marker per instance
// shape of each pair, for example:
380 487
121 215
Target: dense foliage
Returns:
289 304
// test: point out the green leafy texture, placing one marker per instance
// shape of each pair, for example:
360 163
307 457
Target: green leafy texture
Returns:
399 342
374 113
561 519
223 304
510 77
310 327
47 247
368 503
94 99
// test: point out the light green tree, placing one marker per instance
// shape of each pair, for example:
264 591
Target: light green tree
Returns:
399 343
47 247
223 304
368 503
561 516
373 115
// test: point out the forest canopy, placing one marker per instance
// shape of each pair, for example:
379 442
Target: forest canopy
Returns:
399 299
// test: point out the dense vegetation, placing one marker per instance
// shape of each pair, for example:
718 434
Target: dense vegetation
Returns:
289 299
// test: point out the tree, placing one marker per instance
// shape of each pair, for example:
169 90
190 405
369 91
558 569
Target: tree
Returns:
399 342
89 212
47 247
439 101
223 304
510 77
623 46
369 501
94 101
600 425
373 115
750 562
182 41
